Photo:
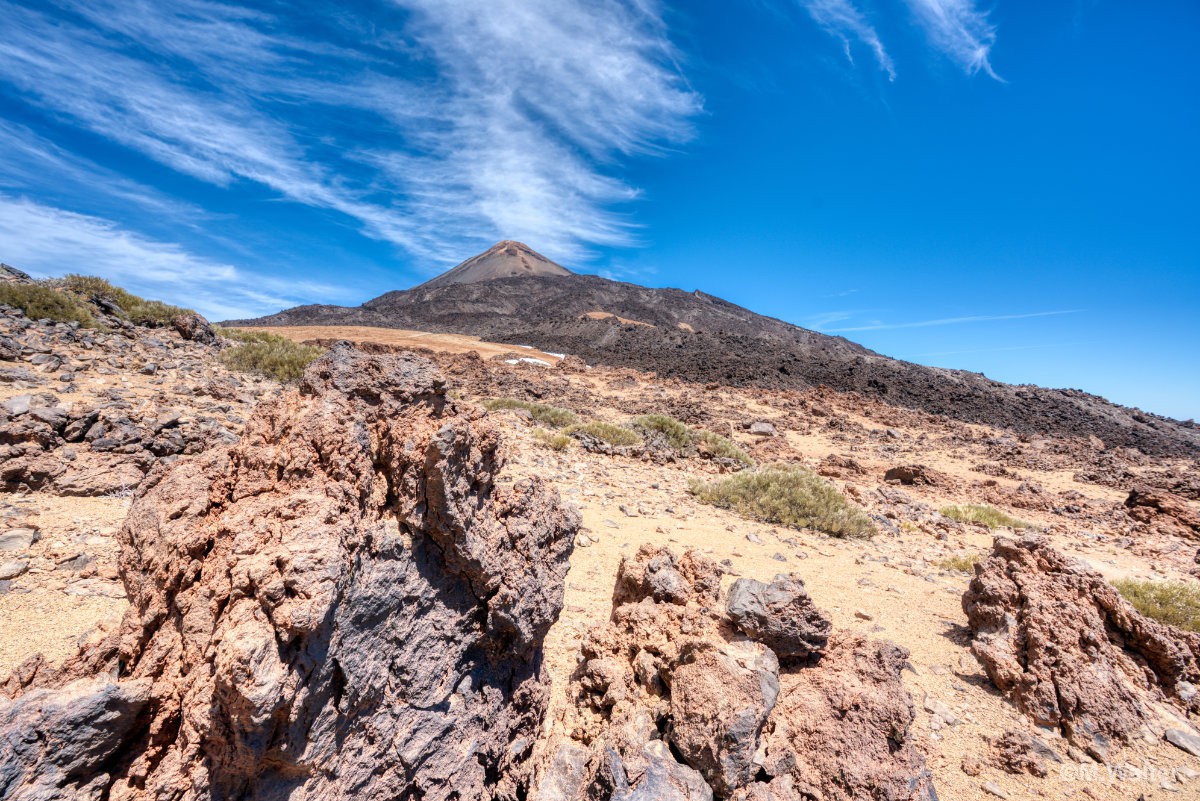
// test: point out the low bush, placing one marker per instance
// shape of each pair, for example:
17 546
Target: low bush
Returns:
38 302
265 353
723 447
551 439
1173 602
137 310
553 416
617 436
677 434
788 495
990 516
961 562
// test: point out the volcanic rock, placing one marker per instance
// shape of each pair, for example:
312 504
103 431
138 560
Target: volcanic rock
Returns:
344 603
668 680
780 615
193 327
914 474
1149 504
720 699
1070 651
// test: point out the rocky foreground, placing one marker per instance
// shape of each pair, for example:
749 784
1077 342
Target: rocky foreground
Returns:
365 584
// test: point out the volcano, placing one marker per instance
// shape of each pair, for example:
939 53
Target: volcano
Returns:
512 294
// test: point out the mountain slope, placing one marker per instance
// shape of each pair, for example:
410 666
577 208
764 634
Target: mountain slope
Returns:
505 259
698 338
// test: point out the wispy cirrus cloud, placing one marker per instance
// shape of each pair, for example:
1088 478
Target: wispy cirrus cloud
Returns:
432 125
959 30
975 318
49 241
847 22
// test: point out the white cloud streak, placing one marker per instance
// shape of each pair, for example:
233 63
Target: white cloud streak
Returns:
451 122
841 18
959 30
979 318
45 241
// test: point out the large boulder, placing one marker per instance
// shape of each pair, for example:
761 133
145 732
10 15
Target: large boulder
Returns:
1152 504
720 699
670 692
193 327
842 728
780 614
345 603
1071 652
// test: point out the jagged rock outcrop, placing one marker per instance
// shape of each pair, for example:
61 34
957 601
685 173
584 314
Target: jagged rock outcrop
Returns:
193 327
1154 505
1071 652
670 693
780 615
343 604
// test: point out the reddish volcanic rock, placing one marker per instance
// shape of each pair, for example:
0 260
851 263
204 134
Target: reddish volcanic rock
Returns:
1070 651
344 603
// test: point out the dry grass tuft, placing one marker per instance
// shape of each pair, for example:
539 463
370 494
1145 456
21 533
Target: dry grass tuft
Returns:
723 447
788 495
677 434
40 302
553 416
990 516
1175 603
264 353
961 562
617 436
551 439
137 310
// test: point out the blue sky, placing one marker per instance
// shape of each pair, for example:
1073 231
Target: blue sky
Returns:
1007 188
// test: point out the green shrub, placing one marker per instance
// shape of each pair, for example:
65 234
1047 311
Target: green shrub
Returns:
990 516
723 447
551 439
552 416
787 495
961 562
677 434
137 310
268 354
618 436
38 302
1173 602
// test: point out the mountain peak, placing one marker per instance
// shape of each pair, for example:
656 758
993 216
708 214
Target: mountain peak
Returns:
505 259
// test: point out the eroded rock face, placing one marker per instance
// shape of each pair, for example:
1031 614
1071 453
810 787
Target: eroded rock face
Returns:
671 692
779 614
1070 651
343 604
1152 504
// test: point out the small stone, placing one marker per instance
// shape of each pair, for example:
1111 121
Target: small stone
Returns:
861 615
1078 755
972 766
583 540
17 405
12 569
18 539
935 707
991 788
752 537
1186 740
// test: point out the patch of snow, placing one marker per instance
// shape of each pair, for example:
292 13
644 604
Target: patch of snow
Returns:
529 360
